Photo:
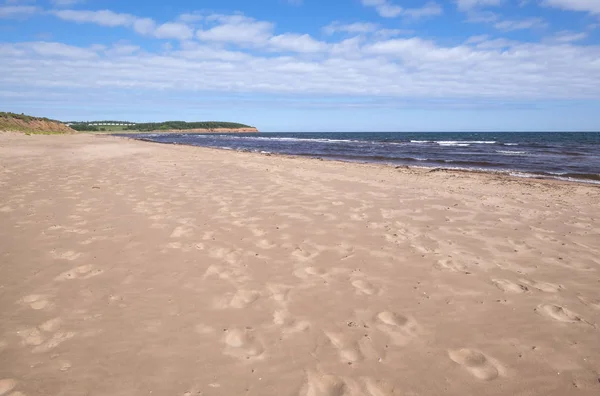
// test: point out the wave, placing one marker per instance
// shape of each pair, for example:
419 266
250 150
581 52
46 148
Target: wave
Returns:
285 139
530 159
590 178
466 142
453 144
506 152
462 143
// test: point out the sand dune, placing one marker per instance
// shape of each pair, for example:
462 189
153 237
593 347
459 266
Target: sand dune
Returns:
130 268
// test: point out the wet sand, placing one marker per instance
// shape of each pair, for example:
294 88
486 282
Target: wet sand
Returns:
131 268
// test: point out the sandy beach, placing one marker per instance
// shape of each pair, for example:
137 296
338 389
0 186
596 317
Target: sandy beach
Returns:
132 268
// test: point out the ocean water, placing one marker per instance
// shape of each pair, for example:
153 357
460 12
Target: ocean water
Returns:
565 156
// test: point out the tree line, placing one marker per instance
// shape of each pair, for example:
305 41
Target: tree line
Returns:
158 126
24 117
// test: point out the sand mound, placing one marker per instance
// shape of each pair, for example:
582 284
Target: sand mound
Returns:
23 123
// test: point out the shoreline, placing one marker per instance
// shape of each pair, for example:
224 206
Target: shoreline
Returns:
503 173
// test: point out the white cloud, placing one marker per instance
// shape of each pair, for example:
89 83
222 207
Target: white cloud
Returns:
191 17
348 48
358 27
143 26
122 49
384 8
51 50
387 9
193 50
387 33
591 6
363 28
482 17
18 11
248 32
428 10
401 68
477 39
296 43
235 53
523 24
237 29
66 3
466 5
174 30
103 17
566 36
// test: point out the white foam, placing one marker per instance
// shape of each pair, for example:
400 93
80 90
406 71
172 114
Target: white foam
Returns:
451 143
465 142
506 152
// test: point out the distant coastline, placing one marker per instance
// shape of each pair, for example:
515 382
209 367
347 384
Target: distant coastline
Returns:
30 124
212 130
162 127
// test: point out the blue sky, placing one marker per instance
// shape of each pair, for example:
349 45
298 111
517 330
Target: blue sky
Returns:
307 65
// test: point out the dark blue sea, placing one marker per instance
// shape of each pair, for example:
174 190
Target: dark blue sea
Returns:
566 156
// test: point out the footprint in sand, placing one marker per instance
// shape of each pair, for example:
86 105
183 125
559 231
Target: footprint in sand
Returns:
233 274
7 385
279 293
364 287
559 313
301 255
51 325
244 298
55 341
31 337
242 344
320 384
241 299
400 328
359 216
543 286
348 349
36 301
81 272
310 272
509 286
38 336
476 363
181 231
378 388
288 324
265 244
590 301
450 265
65 255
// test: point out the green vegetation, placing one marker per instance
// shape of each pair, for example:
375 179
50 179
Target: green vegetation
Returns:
101 122
85 128
182 125
105 126
24 117
29 124
100 126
